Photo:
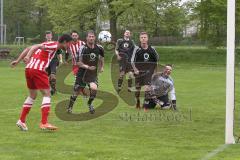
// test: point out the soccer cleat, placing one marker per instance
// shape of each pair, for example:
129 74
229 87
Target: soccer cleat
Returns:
22 125
69 109
91 109
48 126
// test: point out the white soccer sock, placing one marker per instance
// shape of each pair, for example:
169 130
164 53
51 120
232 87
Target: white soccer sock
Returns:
28 102
46 102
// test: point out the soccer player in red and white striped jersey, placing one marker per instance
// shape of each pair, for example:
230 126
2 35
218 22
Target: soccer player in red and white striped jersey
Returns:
42 57
73 49
37 58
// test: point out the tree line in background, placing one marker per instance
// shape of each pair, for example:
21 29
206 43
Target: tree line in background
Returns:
169 22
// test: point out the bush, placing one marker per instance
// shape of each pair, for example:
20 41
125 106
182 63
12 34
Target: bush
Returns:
174 55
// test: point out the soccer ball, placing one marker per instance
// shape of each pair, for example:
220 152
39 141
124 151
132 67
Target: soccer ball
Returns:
104 36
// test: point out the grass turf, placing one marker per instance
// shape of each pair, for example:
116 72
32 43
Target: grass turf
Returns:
115 136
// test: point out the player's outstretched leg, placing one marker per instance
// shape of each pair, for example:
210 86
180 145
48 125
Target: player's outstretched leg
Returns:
93 93
45 109
73 97
25 110
71 103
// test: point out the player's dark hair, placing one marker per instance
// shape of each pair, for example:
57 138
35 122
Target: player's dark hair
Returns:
48 32
65 38
90 32
142 33
74 31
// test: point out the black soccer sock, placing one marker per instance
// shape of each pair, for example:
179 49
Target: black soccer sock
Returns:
137 95
120 81
93 94
72 101
129 82
53 84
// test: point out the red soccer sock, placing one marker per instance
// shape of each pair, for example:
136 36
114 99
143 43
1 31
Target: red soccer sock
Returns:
45 113
24 113
46 103
26 108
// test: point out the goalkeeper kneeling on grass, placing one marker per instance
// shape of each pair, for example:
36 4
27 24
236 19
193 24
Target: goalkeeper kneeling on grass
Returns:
162 90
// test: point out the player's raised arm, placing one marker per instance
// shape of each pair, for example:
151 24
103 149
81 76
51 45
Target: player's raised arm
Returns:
31 51
20 57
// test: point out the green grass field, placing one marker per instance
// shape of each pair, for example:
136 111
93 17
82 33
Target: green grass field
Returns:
115 136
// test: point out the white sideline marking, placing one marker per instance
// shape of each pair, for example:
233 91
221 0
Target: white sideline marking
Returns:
215 152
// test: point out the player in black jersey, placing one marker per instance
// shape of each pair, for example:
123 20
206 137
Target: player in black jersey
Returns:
90 59
123 50
144 62
52 68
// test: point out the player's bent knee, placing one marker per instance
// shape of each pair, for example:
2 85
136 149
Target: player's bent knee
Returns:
93 86
52 77
33 94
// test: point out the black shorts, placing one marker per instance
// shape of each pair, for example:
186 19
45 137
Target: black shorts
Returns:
164 99
84 77
125 63
52 68
144 78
